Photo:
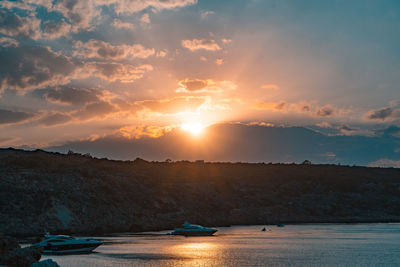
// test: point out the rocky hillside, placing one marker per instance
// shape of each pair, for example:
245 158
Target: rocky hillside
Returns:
41 191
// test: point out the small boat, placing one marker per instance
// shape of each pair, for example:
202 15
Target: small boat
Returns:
193 230
280 225
63 244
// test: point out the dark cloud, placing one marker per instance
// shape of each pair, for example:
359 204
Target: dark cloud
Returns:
380 114
193 85
78 13
104 50
14 25
304 108
390 131
6 41
280 106
73 96
9 116
55 119
347 130
30 67
325 111
95 110
55 29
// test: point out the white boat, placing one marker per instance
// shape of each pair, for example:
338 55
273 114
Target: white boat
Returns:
193 230
63 244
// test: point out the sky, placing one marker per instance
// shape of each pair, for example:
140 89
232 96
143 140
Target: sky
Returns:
128 78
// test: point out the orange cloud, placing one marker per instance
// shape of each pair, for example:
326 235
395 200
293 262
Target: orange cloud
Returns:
173 105
196 44
270 86
274 106
208 85
219 61
136 132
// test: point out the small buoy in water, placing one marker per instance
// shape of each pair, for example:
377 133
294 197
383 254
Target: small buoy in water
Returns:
263 229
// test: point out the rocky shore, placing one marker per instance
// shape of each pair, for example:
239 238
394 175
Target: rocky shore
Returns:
12 255
41 191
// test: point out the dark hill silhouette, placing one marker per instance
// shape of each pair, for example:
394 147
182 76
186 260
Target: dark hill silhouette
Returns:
41 191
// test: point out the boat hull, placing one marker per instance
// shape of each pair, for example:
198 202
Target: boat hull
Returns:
195 233
70 249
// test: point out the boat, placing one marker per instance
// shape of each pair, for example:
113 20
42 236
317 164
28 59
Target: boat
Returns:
280 225
64 244
193 230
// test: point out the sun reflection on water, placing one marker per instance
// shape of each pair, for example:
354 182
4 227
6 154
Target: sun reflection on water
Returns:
197 253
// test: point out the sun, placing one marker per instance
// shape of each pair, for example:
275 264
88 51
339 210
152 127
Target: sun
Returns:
195 128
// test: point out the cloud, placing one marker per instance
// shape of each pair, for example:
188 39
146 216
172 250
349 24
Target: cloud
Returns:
325 111
145 18
133 6
73 96
383 114
30 67
137 132
219 61
53 29
80 15
107 51
119 24
196 44
209 85
173 105
204 14
270 86
14 25
55 119
347 130
389 131
162 53
6 41
6 140
385 163
226 41
303 107
9 116
193 85
274 106
116 71
98 110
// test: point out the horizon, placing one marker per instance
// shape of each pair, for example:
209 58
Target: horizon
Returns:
252 81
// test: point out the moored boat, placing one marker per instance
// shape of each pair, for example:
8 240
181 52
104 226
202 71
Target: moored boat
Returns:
193 230
63 244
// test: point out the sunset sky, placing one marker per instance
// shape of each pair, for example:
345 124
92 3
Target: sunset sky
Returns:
94 75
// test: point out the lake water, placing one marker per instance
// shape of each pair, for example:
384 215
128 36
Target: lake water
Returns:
292 245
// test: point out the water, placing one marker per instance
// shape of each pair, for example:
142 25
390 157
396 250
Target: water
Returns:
292 245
